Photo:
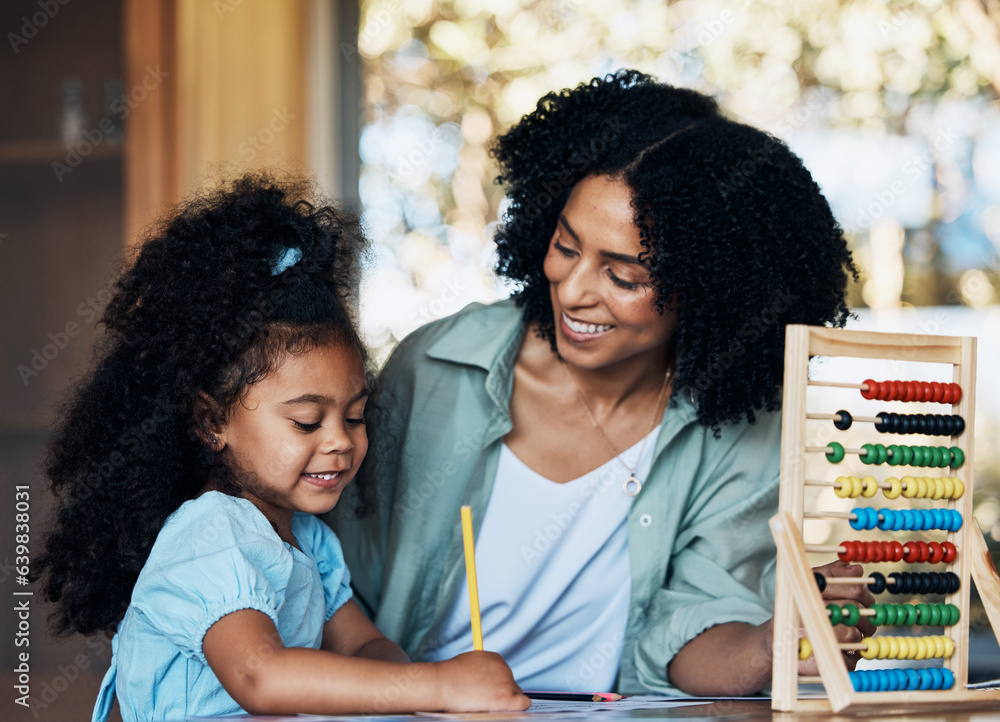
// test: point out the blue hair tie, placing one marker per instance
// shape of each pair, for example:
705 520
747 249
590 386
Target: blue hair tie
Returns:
288 258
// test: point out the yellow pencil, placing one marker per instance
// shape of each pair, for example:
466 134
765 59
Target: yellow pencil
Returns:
470 572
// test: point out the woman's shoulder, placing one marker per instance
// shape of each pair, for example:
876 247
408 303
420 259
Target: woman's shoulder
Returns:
462 336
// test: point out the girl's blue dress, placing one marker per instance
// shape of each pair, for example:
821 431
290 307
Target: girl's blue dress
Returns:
215 555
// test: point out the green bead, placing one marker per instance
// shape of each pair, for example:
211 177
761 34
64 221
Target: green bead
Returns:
935 455
923 614
852 615
895 455
953 615
918 455
892 614
957 457
883 453
835 452
835 614
868 454
878 619
907 455
945 456
935 615
911 615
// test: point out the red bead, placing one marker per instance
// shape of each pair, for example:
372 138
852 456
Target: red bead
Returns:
937 552
846 553
947 394
859 551
877 555
900 390
909 392
872 391
897 551
911 553
950 552
925 551
886 390
926 391
938 392
957 395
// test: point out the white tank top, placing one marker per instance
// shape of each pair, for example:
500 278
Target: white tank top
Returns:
554 579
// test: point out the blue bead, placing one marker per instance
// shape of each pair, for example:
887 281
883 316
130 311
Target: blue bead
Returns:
936 677
956 519
948 678
908 520
925 678
927 519
886 522
872 517
912 678
897 520
861 519
883 680
899 677
855 680
938 515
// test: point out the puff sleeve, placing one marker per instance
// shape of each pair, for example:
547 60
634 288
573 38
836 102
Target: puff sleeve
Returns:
324 547
211 562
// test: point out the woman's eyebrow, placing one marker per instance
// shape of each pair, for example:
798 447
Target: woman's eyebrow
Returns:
623 257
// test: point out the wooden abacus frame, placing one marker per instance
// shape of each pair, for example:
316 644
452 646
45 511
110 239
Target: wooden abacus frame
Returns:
797 600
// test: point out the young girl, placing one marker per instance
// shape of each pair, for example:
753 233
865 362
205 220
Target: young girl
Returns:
226 409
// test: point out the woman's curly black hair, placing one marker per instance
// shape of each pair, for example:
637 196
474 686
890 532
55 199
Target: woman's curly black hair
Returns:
199 315
734 229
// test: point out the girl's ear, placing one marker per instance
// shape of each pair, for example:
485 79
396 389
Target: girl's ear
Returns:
209 421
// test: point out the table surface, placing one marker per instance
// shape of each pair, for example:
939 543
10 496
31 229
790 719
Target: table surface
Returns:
725 710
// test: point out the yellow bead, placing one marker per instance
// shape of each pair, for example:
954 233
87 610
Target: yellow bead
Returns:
883 647
921 487
871 648
893 652
959 489
921 648
949 487
949 647
856 487
938 489
870 487
909 487
904 648
844 486
939 647
895 488
805 649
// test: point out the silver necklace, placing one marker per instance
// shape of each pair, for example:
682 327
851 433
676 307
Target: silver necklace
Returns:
632 485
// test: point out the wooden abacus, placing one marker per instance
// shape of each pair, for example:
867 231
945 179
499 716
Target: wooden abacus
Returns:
964 555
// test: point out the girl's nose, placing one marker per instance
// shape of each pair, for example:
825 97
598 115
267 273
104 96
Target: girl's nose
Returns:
337 440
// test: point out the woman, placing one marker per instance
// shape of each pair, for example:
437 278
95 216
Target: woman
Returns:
613 425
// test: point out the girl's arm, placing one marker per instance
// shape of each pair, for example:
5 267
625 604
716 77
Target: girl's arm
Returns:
349 632
735 659
246 653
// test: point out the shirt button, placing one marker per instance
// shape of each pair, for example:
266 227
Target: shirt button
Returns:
645 520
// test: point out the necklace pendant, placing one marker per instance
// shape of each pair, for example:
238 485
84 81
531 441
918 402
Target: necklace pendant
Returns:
632 485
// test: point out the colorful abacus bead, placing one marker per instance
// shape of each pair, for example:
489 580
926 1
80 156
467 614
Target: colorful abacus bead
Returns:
906 391
899 680
925 424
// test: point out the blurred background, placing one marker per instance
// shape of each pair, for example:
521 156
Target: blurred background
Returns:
113 110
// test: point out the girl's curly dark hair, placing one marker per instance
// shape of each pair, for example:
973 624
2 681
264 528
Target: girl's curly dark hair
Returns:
734 229
196 319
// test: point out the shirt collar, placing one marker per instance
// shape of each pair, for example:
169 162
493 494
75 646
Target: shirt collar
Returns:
482 335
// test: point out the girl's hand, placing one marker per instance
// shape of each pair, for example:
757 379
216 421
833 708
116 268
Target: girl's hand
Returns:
841 594
478 682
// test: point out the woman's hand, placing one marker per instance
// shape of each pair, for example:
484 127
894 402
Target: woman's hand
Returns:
478 682
841 594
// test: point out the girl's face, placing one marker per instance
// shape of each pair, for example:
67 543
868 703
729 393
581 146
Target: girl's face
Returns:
602 296
298 436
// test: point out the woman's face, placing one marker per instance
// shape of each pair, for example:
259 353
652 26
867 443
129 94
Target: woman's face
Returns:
602 296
